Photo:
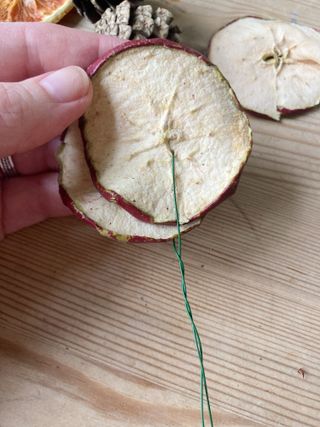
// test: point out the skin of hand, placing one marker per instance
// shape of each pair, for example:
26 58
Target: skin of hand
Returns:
43 89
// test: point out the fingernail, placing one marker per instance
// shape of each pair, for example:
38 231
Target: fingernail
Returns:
67 84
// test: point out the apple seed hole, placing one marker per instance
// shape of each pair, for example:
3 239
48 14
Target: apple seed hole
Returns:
269 58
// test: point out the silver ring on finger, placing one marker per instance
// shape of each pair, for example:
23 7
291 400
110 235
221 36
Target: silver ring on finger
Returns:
7 167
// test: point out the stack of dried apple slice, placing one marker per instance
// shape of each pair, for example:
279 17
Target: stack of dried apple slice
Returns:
153 98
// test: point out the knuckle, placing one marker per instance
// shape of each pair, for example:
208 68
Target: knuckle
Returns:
12 109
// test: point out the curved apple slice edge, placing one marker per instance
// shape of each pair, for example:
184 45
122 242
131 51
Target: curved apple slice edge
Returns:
80 195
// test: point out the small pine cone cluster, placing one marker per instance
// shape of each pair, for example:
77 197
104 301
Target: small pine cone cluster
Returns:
128 20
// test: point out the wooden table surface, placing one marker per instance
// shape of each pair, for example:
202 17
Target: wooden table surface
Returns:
93 332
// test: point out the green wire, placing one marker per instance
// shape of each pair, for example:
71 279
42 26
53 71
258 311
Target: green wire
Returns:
178 251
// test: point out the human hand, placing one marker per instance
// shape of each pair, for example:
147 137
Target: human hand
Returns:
36 104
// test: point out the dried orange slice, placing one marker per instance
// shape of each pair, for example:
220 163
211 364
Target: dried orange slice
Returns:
34 10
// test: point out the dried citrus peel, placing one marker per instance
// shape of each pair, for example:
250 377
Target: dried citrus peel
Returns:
34 10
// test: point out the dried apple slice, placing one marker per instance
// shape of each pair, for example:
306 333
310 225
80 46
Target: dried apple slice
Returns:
80 195
152 98
273 66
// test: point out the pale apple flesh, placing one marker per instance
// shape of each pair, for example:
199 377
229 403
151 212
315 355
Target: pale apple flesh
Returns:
80 195
152 99
273 66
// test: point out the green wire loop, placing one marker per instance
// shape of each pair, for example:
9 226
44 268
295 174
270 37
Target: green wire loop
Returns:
178 251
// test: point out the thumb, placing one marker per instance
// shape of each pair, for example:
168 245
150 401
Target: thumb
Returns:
36 110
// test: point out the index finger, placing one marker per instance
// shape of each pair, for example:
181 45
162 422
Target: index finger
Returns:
29 49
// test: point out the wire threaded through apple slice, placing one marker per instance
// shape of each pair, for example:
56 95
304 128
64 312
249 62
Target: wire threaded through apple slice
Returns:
80 195
152 98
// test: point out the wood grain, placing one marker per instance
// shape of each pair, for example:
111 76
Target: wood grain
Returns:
93 332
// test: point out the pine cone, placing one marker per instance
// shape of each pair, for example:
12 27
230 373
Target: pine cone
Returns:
128 20
115 22
93 9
